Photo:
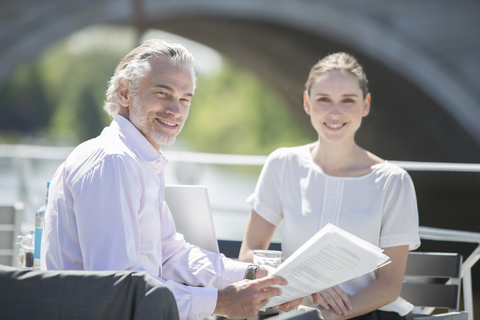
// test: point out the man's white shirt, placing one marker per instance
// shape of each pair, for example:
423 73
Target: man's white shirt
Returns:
106 211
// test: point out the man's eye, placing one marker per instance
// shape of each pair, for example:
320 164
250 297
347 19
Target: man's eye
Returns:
323 99
348 101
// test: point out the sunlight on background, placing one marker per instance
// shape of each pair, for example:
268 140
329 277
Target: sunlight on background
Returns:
207 61
57 99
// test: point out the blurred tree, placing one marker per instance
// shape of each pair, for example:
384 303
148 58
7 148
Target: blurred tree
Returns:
24 108
234 112
80 87
63 92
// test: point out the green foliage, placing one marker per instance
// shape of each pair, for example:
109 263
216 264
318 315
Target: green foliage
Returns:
61 95
233 112
24 107
77 89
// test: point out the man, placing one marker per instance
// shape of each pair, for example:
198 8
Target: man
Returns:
106 206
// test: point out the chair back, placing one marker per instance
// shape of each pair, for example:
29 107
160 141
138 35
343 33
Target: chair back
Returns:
231 248
433 280
10 222
309 315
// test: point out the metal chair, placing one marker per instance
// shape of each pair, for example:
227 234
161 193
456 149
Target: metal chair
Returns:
29 294
309 315
10 222
433 281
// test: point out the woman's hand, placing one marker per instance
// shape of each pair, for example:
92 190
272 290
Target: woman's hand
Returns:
334 298
289 306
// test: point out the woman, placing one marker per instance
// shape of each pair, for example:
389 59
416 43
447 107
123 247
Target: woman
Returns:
333 180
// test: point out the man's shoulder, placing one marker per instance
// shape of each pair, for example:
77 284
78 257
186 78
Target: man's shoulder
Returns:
90 154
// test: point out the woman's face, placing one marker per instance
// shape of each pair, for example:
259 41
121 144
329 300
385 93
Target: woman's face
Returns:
336 106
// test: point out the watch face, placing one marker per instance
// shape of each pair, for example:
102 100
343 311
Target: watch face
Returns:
251 272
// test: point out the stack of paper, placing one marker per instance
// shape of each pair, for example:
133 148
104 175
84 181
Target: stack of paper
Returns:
330 257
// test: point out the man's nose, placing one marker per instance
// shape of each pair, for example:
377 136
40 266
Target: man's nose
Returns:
173 108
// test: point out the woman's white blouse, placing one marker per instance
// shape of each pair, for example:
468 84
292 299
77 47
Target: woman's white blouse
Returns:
379 207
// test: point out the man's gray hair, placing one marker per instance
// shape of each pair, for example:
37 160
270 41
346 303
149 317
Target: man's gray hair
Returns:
135 65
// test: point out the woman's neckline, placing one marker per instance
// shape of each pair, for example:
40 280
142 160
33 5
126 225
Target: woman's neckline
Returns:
319 169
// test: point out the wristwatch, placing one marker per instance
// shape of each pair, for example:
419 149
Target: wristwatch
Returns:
251 272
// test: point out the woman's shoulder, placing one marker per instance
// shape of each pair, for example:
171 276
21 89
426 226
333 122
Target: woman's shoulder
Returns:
391 172
288 156
291 152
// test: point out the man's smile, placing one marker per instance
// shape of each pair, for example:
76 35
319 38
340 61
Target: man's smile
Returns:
167 123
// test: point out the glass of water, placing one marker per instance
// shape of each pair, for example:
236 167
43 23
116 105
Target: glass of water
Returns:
271 258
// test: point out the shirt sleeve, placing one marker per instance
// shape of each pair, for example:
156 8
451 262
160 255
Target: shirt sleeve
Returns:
186 263
267 198
400 216
202 270
106 202
115 221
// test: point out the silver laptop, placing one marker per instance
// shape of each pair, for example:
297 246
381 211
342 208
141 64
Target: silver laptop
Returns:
190 209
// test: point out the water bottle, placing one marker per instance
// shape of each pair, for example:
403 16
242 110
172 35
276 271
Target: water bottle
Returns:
39 217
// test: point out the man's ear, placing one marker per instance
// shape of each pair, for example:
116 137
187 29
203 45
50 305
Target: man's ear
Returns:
124 96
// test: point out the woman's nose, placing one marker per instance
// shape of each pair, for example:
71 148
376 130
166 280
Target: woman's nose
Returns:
335 110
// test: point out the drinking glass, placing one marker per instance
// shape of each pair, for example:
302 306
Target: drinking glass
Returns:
271 258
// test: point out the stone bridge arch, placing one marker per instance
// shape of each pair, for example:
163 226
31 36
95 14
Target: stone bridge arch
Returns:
422 57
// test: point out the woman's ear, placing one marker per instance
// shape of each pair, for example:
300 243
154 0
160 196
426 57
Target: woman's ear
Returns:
306 102
124 94
366 105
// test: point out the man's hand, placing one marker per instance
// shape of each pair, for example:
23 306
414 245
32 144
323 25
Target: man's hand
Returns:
264 270
334 298
245 298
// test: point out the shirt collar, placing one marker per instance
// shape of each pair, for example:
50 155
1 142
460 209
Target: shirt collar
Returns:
140 145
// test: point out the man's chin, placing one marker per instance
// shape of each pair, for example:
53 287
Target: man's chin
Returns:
169 142
165 141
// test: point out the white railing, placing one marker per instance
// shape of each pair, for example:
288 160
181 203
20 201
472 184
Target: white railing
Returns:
436 234
26 152
60 153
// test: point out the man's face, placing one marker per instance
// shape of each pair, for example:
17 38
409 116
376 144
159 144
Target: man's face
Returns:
161 106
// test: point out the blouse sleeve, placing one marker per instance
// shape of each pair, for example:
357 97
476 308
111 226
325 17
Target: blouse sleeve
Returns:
267 198
400 215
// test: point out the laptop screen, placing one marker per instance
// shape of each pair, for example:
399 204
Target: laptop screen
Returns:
190 208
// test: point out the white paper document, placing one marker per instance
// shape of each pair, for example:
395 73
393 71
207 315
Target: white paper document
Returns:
330 257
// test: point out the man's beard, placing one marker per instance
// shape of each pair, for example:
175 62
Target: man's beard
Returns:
140 119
